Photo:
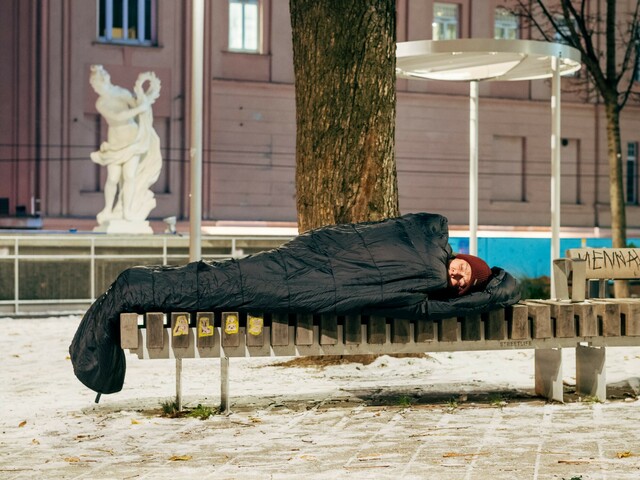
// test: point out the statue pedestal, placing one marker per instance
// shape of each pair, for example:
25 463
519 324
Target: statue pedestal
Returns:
125 226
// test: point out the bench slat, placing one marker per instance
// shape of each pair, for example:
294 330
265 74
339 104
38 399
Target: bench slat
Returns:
206 330
255 330
328 329
304 329
129 330
540 317
230 329
609 263
495 325
280 329
585 315
154 322
630 312
400 330
471 328
180 329
448 330
352 330
562 314
610 318
518 322
377 330
424 331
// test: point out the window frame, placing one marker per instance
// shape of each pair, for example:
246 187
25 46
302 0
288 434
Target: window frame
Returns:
142 28
563 29
259 27
435 23
496 16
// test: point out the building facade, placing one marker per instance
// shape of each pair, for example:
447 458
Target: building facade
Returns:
49 124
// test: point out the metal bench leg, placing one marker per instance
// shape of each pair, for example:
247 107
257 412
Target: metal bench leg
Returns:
179 384
224 385
548 373
590 372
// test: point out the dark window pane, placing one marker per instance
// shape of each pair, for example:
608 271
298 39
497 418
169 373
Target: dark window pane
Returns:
102 15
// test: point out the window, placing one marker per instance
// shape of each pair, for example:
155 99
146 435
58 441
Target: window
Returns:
127 21
445 21
508 169
570 180
244 26
563 30
632 172
505 25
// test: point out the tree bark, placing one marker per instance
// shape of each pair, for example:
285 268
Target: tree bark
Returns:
344 65
616 191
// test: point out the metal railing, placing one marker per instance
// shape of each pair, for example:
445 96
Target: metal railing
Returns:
43 254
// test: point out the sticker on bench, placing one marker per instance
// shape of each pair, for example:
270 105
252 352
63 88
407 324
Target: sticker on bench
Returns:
206 331
205 328
181 326
231 323
255 325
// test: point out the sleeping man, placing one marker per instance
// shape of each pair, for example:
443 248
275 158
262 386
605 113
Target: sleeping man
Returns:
399 268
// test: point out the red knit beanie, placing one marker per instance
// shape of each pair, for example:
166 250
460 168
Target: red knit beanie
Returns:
480 272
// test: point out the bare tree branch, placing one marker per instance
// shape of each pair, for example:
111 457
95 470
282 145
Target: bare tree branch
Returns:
607 65
633 47
611 41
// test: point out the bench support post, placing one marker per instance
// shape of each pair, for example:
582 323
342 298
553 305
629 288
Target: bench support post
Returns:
224 385
179 384
590 372
548 373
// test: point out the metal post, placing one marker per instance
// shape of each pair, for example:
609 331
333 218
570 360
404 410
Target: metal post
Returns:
16 276
224 384
195 204
473 167
555 166
179 384
93 269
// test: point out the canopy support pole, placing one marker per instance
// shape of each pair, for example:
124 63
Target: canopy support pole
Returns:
473 167
555 167
195 200
195 153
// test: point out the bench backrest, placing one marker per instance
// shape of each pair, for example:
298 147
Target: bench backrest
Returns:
608 263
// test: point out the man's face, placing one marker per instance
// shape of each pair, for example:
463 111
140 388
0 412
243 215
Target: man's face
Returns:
459 274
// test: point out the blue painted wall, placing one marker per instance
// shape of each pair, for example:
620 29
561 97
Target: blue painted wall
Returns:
525 257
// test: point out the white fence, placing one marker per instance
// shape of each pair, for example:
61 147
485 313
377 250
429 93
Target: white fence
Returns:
29 261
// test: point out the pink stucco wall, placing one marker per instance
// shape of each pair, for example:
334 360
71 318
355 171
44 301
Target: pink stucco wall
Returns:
48 123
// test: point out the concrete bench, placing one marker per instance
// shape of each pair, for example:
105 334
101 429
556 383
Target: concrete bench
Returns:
544 325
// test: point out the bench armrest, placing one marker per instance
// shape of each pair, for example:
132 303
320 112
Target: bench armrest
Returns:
570 270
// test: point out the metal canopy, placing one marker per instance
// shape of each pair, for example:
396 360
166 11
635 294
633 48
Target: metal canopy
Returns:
475 60
483 59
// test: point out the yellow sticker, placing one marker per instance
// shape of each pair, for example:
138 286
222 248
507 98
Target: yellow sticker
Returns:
255 325
181 327
205 329
231 325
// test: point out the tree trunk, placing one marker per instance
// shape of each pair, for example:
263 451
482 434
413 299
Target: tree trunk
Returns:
344 65
616 191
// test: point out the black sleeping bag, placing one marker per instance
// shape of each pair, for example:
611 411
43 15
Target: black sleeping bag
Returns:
388 267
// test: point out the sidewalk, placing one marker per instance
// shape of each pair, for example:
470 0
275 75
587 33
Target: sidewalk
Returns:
449 416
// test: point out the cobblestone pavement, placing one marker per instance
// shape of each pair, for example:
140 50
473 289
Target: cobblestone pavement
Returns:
337 438
309 425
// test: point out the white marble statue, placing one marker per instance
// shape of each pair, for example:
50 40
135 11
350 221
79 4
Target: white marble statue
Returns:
131 152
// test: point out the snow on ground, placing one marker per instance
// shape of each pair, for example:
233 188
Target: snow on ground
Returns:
447 415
